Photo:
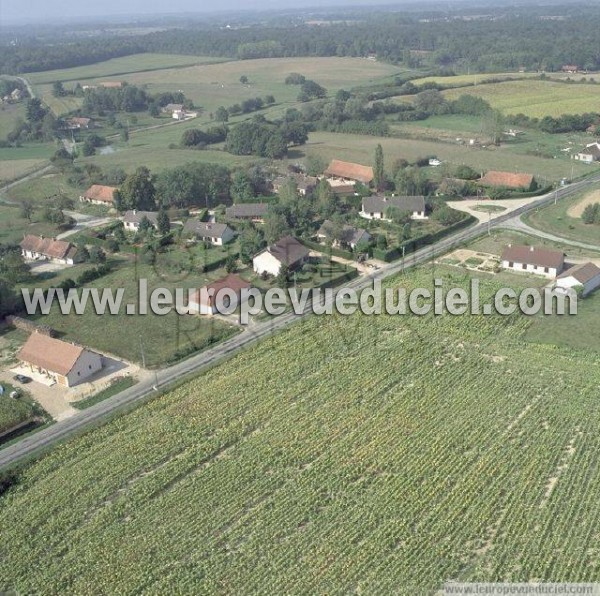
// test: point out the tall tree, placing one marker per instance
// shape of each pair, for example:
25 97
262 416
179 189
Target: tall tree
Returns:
162 222
137 191
378 168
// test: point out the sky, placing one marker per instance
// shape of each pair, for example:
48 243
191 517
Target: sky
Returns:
37 10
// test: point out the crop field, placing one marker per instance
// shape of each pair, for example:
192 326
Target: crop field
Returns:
360 148
388 455
471 79
535 98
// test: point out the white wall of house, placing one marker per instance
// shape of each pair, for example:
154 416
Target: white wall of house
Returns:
381 216
571 282
87 364
132 226
549 272
227 236
266 262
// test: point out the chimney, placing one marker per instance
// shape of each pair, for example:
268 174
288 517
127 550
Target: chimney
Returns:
134 211
531 248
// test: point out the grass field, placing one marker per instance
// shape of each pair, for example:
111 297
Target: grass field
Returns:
13 411
555 219
8 115
471 79
535 98
360 148
13 227
345 455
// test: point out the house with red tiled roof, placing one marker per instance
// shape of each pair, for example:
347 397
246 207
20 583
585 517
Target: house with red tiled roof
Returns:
64 363
345 172
208 300
510 180
39 248
98 194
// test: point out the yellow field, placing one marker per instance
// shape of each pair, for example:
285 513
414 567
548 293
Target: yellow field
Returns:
535 98
471 78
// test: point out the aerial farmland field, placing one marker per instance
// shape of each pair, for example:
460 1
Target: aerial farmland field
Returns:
535 98
388 455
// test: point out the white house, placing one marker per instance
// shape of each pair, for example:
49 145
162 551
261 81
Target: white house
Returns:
585 276
62 362
590 154
204 301
215 233
377 206
39 248
532 259
286 251
351 236
133 219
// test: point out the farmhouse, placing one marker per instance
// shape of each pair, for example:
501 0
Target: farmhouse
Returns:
172 107
585 276
99 195
62 362
215 233
38 248
377 206
531 259
133 219
350 236
77 123
344 172
252 211
570 68
508 180
111 84
590 154
287 251
304 183
204 301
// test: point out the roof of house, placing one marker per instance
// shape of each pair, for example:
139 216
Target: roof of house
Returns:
205 229
247 210
350 234
592 149
137 216
343 189
582 273
50 354
508 179
79 120
111 84
380 204
49 247
352 171
303 182
232 282
287 250
533 255
173 107
99 192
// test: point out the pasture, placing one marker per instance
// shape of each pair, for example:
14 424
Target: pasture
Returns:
361 149
535 98
388 455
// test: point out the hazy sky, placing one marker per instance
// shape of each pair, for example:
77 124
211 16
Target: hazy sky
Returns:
11 10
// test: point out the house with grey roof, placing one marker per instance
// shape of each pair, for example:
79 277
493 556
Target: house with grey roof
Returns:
378 206
217 234
132 219
287 251
250 211
350 236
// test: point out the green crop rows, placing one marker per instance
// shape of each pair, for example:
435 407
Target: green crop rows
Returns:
368 455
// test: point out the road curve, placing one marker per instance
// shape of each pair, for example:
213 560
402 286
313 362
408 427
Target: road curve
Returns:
44 439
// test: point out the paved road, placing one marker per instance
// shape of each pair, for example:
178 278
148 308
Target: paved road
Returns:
521 226
83 222
44 439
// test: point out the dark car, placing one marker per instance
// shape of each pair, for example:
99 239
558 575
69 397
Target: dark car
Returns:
22 379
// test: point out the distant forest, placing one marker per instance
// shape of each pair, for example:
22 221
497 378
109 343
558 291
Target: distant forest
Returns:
530 37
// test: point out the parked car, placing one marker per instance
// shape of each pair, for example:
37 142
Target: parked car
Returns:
22 379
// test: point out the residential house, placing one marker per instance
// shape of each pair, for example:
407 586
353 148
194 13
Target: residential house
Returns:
532 259
215 233
62 362
435 162
39 248
510 180
570 68
77 123
99 194
172 107
377 206
590 154
287 251
16 94
205 300
252 211
305 184
133 219
344 173
111 84
351 236
585 276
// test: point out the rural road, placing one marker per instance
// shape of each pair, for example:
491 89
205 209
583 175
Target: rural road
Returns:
521 226
44 439
83 222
